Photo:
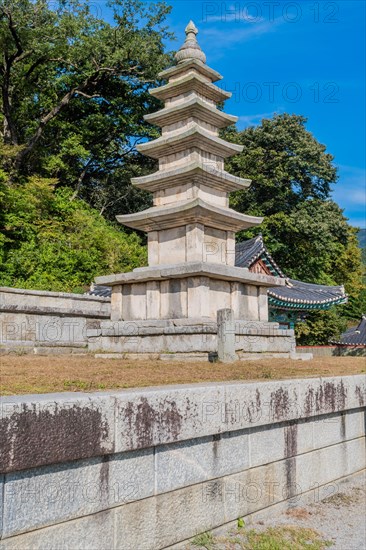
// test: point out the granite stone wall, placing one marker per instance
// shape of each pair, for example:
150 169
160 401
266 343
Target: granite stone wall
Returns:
150 468
34 321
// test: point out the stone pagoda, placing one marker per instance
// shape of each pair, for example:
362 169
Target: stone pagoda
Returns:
171 305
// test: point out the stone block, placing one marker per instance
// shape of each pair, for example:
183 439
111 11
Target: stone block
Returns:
332 394
1 503
253 489
258 404
226 336
306 439
36 430
173 299
53 494
135 525
166 415
355 424
172 245
134 301
95 532
194 461
195 510
329 464
267 444
152 300
116 303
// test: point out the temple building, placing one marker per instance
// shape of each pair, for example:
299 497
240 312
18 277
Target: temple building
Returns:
353 339
290 303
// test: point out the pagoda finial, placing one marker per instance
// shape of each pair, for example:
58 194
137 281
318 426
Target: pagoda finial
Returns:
190 49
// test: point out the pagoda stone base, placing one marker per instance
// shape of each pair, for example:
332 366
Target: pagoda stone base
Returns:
188 337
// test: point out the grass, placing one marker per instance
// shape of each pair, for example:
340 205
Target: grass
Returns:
41 374
204 540
341 499
287 537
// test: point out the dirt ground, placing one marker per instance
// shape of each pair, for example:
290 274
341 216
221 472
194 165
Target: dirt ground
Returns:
336 522
22 374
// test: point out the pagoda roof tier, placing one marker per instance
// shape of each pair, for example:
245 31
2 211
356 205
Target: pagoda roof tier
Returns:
190 82
190 269
189 212
192 107
191 64
193 137
196 172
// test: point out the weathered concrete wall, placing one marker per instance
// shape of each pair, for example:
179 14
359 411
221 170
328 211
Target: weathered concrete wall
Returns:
150 468
328 351
36 321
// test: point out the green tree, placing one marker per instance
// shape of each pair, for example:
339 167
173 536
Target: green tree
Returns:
285 162
321 327
50 242
303 228
74 89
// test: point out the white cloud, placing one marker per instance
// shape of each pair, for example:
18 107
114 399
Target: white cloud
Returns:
252 120
228 36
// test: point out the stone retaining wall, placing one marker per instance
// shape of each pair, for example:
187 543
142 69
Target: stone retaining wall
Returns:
39 321
151 468
190 336
330 351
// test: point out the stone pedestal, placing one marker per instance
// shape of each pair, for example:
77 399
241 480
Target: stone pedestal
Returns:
190 227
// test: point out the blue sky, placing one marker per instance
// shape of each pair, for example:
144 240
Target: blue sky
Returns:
305 57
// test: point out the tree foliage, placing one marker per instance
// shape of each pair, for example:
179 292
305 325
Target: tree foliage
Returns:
304 229
74 89
286 163
50 242
321 327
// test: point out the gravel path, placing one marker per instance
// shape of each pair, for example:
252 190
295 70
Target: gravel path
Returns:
339 518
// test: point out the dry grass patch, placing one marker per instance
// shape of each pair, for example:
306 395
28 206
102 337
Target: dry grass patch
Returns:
287 537
44 374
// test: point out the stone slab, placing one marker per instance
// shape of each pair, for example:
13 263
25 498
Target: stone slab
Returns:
191 269
194 64
95 532
194 461
52 494
45 429
1 503
164 415
159 417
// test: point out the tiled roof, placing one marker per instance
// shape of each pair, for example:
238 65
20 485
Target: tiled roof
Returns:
296 294
299 295
248 252
355 336
99 290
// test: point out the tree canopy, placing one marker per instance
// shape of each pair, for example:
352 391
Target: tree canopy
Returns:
305 230
286 163
74 89
50 242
